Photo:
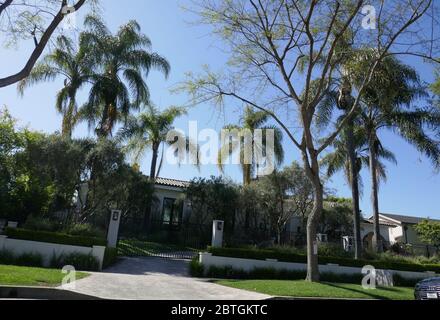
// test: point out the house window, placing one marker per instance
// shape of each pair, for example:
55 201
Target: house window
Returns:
171 213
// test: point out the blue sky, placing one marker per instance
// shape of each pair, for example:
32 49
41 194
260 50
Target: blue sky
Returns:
412 188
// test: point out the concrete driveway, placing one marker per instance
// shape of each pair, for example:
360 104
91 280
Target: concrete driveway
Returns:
156 279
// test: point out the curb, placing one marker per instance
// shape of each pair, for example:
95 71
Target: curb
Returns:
42 293
318 299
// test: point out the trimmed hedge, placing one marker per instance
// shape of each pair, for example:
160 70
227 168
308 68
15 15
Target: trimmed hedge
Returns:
28 259
300 258
198 270
80 261
52 237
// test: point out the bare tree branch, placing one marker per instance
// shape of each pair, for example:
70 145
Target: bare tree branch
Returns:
40 46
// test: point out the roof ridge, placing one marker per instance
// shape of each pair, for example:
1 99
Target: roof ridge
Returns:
179 180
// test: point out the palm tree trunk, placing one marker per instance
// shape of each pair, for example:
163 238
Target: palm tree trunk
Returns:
152 180
154 161
247 174
377 242
68 119
354 179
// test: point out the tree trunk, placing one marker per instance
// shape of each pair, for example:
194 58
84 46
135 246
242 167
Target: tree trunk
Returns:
247 175
377 240
311 166
154 161
68 119
354 180
312 225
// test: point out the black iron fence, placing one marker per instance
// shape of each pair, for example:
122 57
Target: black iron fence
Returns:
139 248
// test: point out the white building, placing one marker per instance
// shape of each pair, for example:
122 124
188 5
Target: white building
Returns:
395 229
170 207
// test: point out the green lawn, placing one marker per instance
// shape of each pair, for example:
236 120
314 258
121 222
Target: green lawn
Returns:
24 276
300 288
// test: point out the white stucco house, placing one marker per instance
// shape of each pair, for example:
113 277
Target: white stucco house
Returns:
170 207
395 229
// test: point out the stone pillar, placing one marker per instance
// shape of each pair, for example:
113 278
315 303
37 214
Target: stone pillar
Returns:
98 252
217 233
113 229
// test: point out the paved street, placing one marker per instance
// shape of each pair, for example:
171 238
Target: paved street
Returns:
156 279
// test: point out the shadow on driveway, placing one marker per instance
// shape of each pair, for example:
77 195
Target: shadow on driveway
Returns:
150 266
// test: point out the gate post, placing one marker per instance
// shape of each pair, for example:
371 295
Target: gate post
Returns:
217 233
113 229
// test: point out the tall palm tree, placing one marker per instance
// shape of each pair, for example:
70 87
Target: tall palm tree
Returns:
339 160
121 63
251 121
72 64
149 130
388 103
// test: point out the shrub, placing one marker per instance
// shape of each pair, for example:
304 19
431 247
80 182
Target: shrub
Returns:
29 260
83 262
333 250
25 260
110 257
196 269
402 249
40 224
85 230
227 272
51 237
6 257
399 281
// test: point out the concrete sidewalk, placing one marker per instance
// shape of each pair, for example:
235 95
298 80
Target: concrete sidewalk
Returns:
156 279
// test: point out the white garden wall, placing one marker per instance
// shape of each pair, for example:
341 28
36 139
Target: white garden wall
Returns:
46 250
384 276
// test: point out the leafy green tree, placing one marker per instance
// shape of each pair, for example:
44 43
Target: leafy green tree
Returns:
213 199
72 64
276 198
251 121
122 61
40 175
429 232
11 141
337 219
